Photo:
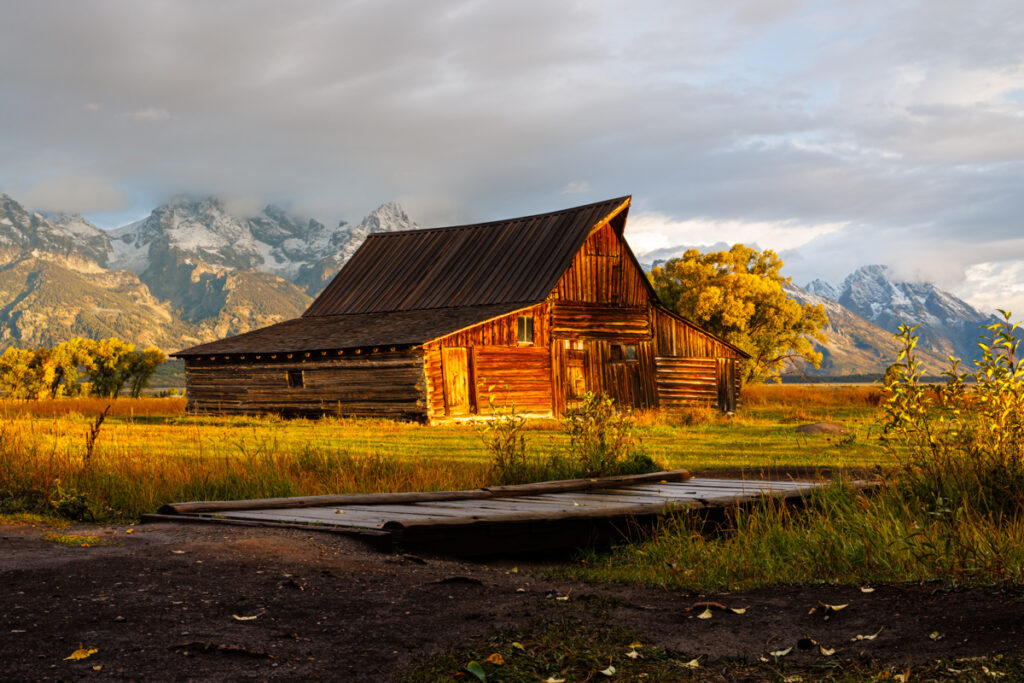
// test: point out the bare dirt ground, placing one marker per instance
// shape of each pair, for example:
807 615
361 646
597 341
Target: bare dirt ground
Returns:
164 604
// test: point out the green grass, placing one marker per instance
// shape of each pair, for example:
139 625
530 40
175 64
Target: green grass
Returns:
842 536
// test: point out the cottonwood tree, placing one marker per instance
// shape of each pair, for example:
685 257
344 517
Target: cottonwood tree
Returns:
108 364
738 295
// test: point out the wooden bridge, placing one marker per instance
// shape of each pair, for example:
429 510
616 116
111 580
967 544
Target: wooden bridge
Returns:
497 519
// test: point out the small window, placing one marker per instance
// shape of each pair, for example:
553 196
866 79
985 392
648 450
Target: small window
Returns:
295 379
622 352
525 329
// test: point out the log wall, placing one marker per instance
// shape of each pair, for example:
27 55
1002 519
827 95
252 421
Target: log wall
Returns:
388 384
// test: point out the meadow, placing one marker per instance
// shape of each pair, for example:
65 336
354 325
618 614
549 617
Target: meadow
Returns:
147 452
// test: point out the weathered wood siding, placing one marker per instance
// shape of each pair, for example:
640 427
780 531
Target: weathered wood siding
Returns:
692 367
499 367
687 382
387 384
602 273
571 320
679 339
513 376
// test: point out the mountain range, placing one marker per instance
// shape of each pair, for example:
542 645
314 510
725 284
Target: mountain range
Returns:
193 271
189 272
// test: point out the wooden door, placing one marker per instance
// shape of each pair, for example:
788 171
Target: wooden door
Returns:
726 384
455 366
575 377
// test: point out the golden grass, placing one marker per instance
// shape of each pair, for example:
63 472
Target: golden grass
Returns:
149 452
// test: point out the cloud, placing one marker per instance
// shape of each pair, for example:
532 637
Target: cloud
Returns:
576 187
73 194
831 128
150 114
649 231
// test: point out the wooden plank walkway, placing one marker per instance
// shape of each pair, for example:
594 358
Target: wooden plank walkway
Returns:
501 519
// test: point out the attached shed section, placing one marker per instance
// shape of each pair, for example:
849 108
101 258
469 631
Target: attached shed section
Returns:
441 323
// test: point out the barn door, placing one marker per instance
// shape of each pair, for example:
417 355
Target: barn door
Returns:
455 367
575 376
726 385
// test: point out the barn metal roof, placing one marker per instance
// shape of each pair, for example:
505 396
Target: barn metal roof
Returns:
518 260
361 330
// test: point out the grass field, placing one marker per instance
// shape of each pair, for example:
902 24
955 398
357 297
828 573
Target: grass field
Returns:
149 452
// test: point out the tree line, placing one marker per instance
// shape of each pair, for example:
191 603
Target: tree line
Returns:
78 367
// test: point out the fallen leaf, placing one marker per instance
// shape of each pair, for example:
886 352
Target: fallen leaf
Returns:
795 678
178 552
738 610
239 618
563 598
610 671
827 651
870 637
635 644
706 614
519 646
781 653
834 608
934 635
866 589
692 664
98 667
81 653
477 670
339 512
514 570
992 673
496 659
633 654
129 531
552 679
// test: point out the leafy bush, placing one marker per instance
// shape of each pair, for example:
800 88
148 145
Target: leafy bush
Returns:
503 437
72 504
603 440
961 444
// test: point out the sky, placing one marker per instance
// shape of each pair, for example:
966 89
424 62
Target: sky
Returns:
839 134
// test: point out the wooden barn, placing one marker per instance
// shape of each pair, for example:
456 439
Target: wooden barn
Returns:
438 323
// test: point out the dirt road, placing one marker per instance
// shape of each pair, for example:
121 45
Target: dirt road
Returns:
177 602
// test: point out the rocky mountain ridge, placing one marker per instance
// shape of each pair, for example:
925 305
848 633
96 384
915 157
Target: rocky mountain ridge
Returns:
189 272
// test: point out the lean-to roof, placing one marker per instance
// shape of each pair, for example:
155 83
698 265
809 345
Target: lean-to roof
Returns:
361 330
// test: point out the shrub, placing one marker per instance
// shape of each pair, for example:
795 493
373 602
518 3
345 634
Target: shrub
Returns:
603 440
503 437
961 444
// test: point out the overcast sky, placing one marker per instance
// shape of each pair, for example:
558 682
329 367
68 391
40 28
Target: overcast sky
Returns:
837 133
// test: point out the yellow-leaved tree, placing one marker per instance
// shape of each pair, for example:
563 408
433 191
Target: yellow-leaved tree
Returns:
738 295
